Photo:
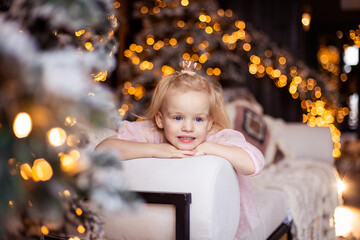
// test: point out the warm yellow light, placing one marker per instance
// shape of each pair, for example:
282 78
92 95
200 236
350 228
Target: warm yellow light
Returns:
255 59
282 81
276 73
66 193
253 68
343 77
42 170
25 171
22 125
346 221
131 90
127 85
306 19
336 153
240 24
228 13
56 136
89 46
139 49
135 60
209 30
340 186
81 229
185 2
128 53
78 211
68 163
292 89
79 33
132 47
202 25
145 65
144 10
261 69
297 79
70 121
101 76
150 41
208 19
190 40
195 57
209 71
217 27
217 71
117 4
247 47
295 95
181 24
121 111
156 10
221 12
282 60
173 41
167 70
203 58
44 230
202 17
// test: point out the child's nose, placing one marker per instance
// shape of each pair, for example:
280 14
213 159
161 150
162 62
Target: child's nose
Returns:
188 126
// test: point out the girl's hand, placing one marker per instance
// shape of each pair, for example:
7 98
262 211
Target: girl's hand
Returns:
166 150
203 148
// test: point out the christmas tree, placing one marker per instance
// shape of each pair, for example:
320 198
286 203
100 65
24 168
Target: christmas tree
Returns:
227 49
52 53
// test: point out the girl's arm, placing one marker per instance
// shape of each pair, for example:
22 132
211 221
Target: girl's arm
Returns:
129 149
238 157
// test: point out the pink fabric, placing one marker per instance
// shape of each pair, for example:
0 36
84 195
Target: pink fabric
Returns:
146 131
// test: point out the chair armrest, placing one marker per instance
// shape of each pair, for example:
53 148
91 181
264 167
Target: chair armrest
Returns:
212 182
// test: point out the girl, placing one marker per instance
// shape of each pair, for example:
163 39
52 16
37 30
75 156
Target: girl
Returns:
187 117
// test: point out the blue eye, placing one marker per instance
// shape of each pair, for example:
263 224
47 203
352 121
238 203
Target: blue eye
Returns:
198 119
178 118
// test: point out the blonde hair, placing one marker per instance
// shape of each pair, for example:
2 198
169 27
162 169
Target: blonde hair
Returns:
185 82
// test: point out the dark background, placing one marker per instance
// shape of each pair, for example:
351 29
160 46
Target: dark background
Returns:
280 19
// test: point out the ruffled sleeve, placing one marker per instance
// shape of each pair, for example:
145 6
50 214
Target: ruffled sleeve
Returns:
142 131
235 138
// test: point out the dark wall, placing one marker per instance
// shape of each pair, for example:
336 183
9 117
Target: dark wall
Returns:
279 19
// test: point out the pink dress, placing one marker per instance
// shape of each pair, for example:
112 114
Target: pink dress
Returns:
146 131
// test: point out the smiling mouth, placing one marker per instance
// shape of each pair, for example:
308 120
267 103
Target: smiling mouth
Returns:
186 139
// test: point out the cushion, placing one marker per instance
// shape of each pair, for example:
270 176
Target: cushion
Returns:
252 126
246 116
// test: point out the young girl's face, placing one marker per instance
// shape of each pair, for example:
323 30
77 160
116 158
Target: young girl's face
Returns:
185 118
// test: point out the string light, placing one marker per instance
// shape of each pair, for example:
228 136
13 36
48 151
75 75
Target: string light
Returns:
57 136
100 77
44 230
81 229
41 170
22 125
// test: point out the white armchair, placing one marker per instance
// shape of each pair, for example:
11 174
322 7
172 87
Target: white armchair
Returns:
215 203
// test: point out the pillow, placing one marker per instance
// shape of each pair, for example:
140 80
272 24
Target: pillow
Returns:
252 126
247 117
